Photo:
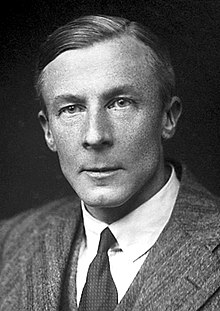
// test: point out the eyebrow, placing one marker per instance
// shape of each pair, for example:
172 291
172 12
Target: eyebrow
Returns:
119 90
68 98
108 94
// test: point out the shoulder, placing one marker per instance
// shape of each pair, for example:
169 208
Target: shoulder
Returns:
29 224
195 195
197 209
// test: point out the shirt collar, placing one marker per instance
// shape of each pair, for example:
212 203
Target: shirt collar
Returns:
137 232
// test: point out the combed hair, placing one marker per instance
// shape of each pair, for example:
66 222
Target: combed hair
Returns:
88 30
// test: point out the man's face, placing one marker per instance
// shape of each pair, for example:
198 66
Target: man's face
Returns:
105 122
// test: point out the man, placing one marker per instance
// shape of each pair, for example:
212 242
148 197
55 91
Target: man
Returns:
106 87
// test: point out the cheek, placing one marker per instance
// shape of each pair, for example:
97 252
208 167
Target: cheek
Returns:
141 137
66 141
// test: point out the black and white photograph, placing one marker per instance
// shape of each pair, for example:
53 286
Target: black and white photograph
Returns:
110 155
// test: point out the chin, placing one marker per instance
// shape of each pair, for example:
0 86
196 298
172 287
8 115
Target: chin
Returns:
107 198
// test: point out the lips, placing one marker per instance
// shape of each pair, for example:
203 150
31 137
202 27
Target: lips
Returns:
101 172
101 169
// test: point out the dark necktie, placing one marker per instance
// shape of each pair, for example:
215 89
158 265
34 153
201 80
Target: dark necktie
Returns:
99 292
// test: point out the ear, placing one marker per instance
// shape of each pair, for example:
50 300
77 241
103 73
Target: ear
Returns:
48 135
171 116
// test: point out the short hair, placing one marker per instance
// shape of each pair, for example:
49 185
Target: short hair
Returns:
88 30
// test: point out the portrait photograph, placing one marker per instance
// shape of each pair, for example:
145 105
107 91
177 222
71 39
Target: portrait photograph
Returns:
110 155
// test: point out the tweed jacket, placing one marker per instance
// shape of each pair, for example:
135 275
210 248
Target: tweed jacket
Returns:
39 251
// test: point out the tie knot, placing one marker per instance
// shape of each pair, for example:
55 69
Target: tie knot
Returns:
107 239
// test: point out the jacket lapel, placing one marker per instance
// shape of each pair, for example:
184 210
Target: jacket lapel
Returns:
180 277
45 269
182 269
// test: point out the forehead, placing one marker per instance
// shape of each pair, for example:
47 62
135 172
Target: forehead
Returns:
109 63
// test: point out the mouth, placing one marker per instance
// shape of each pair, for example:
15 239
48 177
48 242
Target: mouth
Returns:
101 172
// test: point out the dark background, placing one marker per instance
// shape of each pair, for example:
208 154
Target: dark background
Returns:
30 173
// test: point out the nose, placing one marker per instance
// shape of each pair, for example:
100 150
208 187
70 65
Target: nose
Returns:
98 131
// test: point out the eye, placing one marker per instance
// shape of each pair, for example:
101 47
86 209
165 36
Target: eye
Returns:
120 103
71 109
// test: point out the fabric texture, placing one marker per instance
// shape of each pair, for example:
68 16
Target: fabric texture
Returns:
99 292
39 252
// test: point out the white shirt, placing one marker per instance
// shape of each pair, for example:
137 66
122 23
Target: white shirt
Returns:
136 233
